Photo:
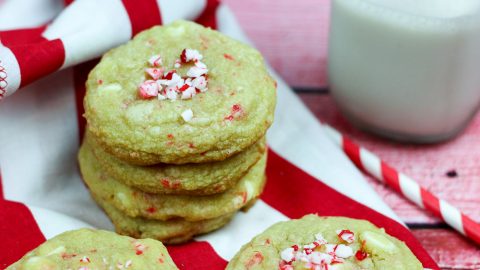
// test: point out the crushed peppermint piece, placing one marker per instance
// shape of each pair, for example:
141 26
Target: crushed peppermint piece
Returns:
155 61
288 254
169 84
139 248
189 55
128 263
155 73
187 115
196 71
171 93
361 255
85 259
148 89
200 83
188 93
178 63
320 258
319 254
346 235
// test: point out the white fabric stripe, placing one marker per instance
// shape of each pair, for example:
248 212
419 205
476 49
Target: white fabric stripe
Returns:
410 189
244 226
88 28
17 14
10 77
51 223
334 135
170 11
38 148
298 136
372 164
452 216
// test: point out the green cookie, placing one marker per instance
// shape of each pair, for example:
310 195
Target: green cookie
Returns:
187 179
334 243
95 249
234 113
135 203
173 231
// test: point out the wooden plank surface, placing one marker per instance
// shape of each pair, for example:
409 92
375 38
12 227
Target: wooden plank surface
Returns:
448 249
292 35
426 164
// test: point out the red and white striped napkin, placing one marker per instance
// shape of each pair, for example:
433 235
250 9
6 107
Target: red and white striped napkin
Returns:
41 193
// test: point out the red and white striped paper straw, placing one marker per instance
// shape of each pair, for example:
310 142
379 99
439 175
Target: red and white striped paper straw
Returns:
372 164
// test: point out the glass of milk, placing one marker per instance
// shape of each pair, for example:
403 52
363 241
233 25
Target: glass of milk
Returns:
406 69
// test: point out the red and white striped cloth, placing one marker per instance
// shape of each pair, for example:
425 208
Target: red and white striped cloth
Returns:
41 125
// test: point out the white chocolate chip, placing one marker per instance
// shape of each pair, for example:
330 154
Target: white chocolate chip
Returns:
57 250
112 87
377 242
187 115
343 251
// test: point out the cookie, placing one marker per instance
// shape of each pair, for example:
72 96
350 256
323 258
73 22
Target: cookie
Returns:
314 242
188 179
174 231
135 203
131 113
96 249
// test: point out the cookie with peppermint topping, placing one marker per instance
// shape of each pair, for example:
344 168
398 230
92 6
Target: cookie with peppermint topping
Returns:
188 179
325 243
135 203
177 94
96 249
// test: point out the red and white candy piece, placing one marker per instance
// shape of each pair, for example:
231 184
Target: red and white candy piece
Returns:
346 235
189 55
315 256
155 73
148 89
170 85
155 61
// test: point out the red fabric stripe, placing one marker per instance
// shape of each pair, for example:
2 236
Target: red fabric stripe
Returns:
22 36
19 232
295 194
80 74
391 177
353 152
471 228
208 17
1 186
431 202
196 255
39 59
143 14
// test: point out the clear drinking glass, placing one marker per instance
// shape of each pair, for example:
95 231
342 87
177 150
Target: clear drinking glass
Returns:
406 69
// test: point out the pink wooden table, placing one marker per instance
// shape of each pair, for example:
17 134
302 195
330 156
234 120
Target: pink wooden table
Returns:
291 35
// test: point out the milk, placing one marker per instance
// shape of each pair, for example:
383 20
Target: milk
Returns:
407 69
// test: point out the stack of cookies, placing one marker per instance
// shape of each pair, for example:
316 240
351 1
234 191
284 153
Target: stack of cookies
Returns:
175 141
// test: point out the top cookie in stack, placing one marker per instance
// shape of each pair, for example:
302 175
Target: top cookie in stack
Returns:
232 113
175 141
